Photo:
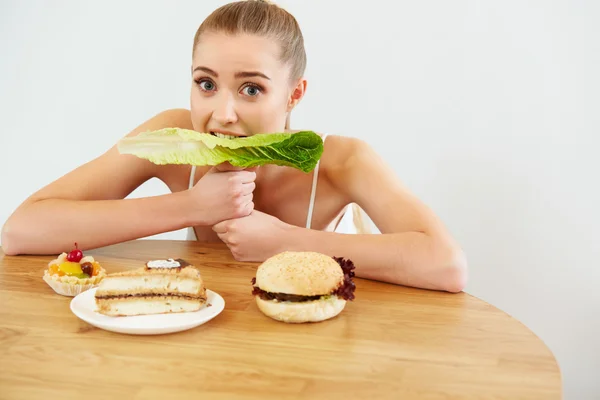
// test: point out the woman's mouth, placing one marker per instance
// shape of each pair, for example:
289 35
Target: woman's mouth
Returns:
224 136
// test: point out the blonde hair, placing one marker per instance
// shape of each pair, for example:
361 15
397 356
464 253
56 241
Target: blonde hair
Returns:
262 18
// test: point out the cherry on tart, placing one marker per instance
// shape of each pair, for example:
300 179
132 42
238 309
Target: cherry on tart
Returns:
73 272
75 255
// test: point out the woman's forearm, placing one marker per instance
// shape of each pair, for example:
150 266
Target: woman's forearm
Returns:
411 259
53 225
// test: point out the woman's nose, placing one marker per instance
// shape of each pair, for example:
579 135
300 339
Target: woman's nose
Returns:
224 112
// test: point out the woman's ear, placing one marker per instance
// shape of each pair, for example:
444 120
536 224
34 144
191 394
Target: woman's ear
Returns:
297 94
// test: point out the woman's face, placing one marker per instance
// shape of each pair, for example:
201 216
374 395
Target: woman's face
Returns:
239 86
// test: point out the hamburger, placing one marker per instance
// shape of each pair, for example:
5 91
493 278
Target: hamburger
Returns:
296 287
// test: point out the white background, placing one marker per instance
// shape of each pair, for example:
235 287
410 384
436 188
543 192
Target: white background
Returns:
488 111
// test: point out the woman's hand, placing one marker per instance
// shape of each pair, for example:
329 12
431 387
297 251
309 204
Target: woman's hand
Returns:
223 193
255 237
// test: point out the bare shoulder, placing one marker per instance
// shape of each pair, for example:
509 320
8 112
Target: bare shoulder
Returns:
345 150
89 181
353 166
360 175
346 157
172 118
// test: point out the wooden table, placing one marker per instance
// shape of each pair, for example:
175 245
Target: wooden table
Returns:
392 342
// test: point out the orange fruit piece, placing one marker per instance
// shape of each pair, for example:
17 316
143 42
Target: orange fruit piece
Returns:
54 270
96 270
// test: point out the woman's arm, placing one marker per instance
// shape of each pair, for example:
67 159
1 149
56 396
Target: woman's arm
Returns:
51 226
409 258
414 248
88 205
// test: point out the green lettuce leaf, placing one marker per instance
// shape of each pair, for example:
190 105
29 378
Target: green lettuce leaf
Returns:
299 150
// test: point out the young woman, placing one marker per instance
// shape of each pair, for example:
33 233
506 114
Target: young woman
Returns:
248 62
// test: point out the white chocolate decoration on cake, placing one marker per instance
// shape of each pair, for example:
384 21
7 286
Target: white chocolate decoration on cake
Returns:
170 263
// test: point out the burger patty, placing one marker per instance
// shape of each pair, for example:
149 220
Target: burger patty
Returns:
282 296
344 291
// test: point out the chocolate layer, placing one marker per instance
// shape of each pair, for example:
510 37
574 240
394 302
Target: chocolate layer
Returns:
148 295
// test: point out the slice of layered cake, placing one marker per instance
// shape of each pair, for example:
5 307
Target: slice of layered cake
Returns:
160 287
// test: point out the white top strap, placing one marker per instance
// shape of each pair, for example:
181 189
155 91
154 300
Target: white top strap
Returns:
313 191
191 233
192 176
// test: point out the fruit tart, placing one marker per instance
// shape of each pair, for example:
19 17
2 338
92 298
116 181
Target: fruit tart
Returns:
71 273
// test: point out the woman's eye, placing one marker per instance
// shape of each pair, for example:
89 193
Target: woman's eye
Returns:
207 86
251 90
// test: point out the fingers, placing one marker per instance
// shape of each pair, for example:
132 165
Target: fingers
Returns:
226 166
243 175
249 207
220 228
223 237
246 176
248 188
238 176
244 206
247 200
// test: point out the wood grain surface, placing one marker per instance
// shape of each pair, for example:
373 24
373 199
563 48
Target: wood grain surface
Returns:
392 342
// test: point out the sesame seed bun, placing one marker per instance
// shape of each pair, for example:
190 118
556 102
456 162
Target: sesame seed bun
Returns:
299 273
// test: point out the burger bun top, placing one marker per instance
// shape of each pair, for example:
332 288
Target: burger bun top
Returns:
300 273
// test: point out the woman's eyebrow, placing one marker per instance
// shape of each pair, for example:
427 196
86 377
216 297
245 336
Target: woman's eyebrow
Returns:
241 74
207 70
251 74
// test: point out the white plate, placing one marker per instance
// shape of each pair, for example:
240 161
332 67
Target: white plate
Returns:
84 307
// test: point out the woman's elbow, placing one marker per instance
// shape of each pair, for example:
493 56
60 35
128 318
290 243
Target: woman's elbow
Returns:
454 274
6 238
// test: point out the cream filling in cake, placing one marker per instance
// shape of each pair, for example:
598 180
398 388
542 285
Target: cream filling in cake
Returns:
129 306
155 284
